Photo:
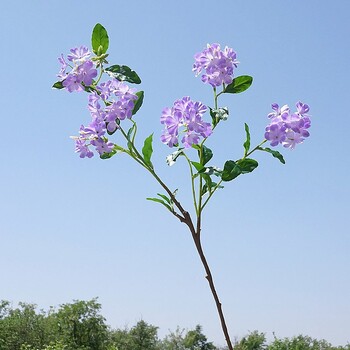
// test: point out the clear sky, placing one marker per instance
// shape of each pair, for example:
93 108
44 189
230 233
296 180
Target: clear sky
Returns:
278 239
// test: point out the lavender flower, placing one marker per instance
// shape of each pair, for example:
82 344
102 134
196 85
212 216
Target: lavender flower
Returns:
82 71
79 54
73 83
82 148
121 101
286 128
112 102
102 145
276 133
62 73
169 139
105 89
187 114
86 72
218 65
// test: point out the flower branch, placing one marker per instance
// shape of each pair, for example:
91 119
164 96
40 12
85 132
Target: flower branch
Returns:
112 101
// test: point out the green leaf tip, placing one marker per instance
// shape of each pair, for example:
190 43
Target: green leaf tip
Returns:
58 85
99 40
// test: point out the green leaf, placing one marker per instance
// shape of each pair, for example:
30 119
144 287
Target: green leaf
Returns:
138 102
99 40
123 73
239 84
207 180
107 155
204 189
247 165
161 202
231 171
206 155
130 131
130 136
165 198
198 166
89 88
213 185
58 85
276 154
214 117
147 150
246 144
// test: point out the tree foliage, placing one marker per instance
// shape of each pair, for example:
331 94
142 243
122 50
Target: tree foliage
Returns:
253 341
80 326
196 340
141 336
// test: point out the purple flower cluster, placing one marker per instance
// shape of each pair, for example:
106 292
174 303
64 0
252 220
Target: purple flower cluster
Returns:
112 102
288 128
82 69
187 114
217 64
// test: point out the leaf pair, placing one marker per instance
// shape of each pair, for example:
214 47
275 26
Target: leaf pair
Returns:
100 44
164 200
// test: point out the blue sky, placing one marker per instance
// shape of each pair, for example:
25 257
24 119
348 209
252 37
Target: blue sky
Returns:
277 239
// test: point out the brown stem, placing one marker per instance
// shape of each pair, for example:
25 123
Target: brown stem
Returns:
209 277
186 219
